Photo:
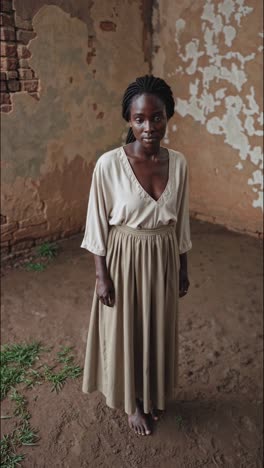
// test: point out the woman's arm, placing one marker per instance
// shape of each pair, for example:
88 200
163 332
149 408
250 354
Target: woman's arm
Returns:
184 280
104 285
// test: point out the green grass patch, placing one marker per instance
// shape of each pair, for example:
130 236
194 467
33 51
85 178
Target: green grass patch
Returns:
15 360
9 459
31 266
22 366
179 421
47 250
44 254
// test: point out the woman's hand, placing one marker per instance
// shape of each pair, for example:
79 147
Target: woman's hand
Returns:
184 283
105 291
183 276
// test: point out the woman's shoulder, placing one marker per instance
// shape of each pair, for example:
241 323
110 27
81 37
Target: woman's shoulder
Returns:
109 158
178 156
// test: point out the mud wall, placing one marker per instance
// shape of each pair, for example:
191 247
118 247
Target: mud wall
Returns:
64 67
210 52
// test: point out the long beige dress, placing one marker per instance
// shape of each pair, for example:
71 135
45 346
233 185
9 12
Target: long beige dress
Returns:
132 348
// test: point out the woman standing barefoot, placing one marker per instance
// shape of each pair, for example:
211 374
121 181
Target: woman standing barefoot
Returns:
138 230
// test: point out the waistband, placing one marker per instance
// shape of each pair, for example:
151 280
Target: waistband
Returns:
163 229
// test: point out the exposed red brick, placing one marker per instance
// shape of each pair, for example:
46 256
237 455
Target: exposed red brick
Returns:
23 63
3 75
25 36
29 86
7 231
22 23
30 232
5 98
23 51
3 86
8 227
7 34
35 96
107 26
8 50
5 108
19 246
34 221
13 85
7 236
8 63
100 115
12 75
6 5
6 20
4 249
26 74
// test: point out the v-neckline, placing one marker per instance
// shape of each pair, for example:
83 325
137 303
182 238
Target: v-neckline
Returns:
141 189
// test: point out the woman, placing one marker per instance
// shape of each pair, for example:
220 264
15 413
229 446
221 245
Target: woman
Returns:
138 230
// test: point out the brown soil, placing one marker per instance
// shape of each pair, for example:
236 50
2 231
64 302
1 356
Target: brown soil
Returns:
220 374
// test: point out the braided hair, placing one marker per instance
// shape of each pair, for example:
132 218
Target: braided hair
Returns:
147 84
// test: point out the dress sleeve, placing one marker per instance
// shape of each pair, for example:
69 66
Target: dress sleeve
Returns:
97 227
183 219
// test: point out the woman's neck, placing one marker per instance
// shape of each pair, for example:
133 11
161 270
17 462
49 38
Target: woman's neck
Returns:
136 149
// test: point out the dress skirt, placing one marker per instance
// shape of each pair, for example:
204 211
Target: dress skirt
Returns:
132 348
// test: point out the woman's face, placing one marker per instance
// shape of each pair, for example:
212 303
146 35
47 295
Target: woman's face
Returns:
148 120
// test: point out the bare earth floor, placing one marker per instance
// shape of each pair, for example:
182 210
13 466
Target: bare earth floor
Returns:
217 418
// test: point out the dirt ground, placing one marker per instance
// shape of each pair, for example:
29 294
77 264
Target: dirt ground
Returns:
217 418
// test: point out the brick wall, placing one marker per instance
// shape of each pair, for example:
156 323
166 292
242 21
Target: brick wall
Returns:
16 73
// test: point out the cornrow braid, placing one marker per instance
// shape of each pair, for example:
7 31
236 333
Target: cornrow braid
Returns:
148 84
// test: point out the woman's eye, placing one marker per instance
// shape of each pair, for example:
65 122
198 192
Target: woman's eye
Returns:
157 119
138 120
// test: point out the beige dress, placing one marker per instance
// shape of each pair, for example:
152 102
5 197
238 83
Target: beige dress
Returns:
132 347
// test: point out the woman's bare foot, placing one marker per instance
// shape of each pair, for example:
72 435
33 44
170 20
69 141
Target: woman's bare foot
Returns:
138 421
155 413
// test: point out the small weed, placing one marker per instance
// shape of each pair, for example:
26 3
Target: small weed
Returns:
22 354
9 459
15 359
64 356
179 421
17 363
47 250
21 405
26 435
69 370
31 266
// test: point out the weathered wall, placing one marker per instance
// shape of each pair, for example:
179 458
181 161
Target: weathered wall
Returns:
65 65
60 106
210 52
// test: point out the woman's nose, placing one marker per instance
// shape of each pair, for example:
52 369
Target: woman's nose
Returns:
148 126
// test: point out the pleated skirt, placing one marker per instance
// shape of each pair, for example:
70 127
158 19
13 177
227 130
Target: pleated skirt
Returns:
132 348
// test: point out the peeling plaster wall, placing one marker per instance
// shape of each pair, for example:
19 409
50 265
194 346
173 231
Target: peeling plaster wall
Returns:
84 54
210 52
63 85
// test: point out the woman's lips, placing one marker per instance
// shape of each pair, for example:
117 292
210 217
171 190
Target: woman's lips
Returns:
150 139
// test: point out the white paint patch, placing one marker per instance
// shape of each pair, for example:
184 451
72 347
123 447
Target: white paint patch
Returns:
230 34
166 137
241 118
